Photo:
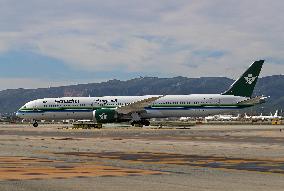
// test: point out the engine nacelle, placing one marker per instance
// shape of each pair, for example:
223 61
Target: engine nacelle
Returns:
105 116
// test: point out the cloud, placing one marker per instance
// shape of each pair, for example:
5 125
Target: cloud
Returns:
162 37
27 83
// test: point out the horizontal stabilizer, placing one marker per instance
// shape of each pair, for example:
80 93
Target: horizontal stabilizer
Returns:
253 101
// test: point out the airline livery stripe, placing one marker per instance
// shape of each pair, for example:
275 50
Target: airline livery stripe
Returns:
147 108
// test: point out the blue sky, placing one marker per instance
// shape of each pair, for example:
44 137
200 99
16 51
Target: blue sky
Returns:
50 43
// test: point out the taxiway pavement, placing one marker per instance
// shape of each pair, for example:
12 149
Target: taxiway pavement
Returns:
236 157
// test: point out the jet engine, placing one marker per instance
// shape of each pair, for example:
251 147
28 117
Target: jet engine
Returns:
105 116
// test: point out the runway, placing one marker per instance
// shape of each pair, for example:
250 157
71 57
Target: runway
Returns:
219 157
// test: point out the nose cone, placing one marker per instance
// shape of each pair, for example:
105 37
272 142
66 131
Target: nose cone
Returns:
19 113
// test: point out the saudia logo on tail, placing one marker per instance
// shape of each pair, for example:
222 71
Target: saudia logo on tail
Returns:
250 79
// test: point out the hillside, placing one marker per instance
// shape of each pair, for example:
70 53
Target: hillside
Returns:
12 99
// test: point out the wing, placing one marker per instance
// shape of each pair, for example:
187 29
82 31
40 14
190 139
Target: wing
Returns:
137 106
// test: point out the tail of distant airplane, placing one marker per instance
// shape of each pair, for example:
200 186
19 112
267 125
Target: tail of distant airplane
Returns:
245 84
276 113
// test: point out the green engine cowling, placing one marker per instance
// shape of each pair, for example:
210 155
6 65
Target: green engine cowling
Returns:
105 116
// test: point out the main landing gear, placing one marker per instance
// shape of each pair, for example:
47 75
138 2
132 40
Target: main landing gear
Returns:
141 123
35 124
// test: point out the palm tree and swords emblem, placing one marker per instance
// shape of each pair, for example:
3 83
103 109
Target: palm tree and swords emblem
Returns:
250 78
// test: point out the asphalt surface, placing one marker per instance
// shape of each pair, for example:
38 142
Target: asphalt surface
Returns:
50 157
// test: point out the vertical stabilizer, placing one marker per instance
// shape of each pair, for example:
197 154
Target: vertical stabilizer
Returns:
245 84
276 113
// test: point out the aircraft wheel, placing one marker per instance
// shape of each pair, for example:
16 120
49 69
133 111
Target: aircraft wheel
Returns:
146 122
35 124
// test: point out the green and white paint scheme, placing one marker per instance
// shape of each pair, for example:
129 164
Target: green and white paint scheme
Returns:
139 109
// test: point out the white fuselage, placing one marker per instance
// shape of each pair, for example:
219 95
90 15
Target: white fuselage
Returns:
167 106
266 117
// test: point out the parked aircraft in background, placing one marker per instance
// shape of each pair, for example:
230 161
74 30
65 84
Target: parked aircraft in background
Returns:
210 118
228 117
139 109
185 118
222 118
246 117
276 116
264 117
236 117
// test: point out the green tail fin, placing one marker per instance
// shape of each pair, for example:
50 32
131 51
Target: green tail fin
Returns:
245 84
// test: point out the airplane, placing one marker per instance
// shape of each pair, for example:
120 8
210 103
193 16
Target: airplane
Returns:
228 117
185 118
264 117
236 117
139 109
222 118
246 117
257 117
276 116
210 118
